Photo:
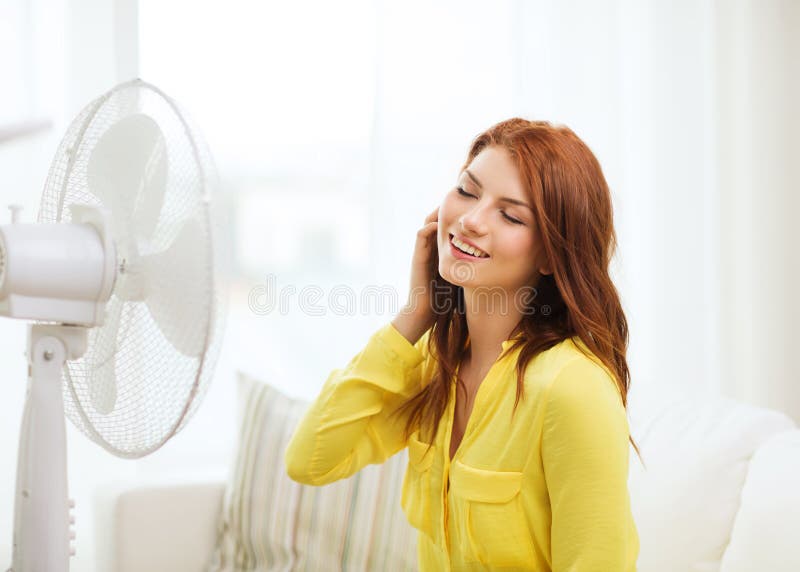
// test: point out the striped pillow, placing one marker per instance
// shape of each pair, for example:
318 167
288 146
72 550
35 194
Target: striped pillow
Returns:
270 522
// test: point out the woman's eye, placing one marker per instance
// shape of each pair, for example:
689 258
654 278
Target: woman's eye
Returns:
462 192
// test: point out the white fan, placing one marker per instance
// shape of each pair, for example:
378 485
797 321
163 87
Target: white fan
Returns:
119 276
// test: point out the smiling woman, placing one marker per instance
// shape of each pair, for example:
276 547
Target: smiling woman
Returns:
547 491
479 213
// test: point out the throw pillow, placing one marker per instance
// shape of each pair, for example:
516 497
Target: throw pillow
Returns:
269 522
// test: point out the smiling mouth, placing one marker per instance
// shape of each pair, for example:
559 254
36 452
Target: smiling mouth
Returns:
465 253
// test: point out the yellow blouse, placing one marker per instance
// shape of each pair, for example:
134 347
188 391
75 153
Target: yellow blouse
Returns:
546 492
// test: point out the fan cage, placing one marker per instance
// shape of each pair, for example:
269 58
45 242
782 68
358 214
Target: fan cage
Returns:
158 389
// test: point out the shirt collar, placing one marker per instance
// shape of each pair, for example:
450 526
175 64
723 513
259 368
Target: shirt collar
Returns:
506 344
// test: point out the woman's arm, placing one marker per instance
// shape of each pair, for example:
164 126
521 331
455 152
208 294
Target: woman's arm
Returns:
585 457
347 425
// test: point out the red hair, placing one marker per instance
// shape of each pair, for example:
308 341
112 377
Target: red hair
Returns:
574 217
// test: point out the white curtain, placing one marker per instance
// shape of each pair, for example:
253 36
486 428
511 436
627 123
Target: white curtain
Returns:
757 152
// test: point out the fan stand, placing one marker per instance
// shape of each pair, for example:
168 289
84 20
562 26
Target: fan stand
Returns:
42 520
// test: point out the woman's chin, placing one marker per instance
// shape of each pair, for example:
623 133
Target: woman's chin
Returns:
459 276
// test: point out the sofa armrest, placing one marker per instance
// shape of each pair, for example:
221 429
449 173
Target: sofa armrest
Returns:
765 532
158 527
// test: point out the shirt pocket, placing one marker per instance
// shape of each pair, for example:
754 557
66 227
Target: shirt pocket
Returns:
417 493
493 522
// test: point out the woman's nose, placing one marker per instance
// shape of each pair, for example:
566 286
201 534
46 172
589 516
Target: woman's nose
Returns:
474 221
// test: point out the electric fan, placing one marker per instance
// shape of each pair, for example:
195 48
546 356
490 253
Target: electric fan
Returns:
118 276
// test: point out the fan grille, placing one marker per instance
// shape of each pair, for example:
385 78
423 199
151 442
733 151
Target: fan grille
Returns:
157 387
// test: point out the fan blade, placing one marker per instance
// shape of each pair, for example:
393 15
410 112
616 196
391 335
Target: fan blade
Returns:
177 287
127 172
103 379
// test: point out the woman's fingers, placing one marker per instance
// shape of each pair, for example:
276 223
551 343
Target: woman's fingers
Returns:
433 216
428 229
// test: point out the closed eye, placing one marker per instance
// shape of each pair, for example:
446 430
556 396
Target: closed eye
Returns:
462 192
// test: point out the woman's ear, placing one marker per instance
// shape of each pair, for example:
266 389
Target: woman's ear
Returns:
544 271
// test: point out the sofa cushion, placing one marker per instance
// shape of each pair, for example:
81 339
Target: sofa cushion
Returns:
767 527
696 450
269 522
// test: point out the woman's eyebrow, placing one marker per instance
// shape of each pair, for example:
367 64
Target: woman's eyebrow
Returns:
502 199
474 178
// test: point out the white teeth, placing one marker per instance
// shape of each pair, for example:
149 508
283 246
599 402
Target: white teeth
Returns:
469 249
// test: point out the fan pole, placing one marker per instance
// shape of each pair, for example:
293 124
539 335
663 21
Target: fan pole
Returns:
41 507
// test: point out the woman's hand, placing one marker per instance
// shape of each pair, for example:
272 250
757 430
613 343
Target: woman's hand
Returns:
417 315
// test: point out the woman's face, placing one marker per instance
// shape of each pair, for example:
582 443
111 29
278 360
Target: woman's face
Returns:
477 210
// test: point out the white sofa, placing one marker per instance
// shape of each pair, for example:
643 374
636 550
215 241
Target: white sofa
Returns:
721 491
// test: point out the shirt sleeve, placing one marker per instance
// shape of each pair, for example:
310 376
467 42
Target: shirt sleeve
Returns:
585 458
347 426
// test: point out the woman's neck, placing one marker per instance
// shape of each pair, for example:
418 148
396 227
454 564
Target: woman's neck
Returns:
486 336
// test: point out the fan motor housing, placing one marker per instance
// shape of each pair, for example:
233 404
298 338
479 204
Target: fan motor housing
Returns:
52 272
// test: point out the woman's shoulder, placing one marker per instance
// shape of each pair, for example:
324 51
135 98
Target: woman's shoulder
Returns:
584 378
569 359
